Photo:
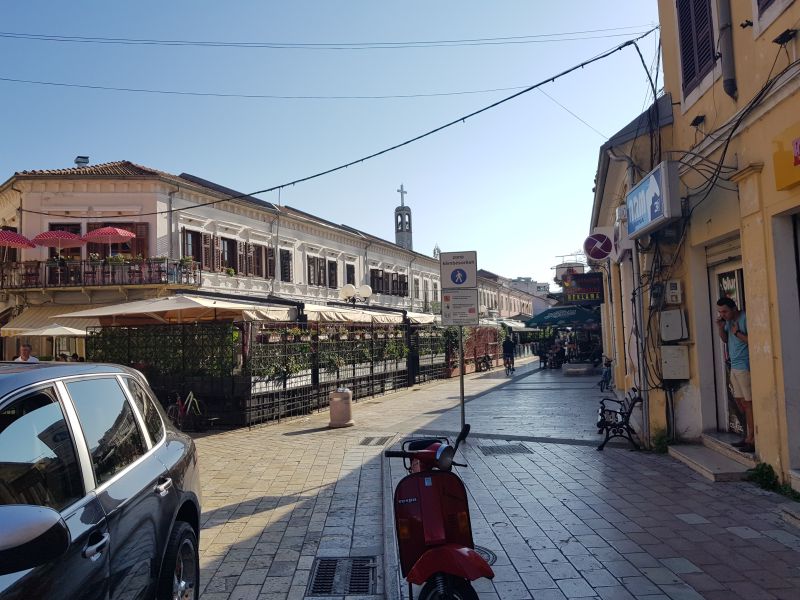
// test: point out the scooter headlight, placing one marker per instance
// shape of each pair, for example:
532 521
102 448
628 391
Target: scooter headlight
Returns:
444 457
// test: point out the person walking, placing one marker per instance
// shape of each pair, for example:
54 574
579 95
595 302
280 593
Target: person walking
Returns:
25 355
732 329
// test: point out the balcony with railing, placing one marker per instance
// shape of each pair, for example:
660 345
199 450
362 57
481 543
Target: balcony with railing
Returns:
37 274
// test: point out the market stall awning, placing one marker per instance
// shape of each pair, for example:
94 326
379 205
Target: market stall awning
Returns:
185 308
564 316
38 317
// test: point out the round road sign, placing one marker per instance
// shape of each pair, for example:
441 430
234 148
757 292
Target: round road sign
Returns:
597 246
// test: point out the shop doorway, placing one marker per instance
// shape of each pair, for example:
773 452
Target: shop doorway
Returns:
725 280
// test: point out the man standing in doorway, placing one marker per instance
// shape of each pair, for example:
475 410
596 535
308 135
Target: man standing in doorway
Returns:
732 328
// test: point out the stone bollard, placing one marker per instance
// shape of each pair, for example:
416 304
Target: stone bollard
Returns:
341 408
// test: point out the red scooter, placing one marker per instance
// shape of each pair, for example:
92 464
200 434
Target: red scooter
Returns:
431 515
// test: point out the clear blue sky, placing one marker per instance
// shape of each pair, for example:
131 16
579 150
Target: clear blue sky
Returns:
514 183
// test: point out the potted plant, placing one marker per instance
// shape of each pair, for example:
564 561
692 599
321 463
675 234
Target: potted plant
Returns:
94 258
137 260
230 271
186 262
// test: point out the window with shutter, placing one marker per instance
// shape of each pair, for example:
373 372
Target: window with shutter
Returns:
73 253
140 244
311 270
257 258
286 265
270 263
249 260
696 37
375 281
92 248
395 289
217 250
241 257
207 257
332 274
350 274
387 283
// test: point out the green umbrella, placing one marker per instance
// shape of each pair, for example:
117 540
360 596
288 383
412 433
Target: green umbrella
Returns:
564 316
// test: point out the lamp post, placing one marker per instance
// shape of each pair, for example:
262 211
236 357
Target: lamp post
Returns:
349 293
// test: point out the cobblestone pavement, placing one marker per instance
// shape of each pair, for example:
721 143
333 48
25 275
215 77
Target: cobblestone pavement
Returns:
564 520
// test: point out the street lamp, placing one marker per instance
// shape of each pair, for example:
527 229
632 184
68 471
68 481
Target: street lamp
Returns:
349 293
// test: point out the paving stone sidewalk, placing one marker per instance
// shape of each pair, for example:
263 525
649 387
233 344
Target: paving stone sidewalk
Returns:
564 520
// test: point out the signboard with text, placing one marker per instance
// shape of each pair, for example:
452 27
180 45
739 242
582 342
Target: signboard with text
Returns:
459 270
654 202
460 307
585 289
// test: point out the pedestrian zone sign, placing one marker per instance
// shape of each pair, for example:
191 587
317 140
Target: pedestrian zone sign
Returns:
459 270
460 307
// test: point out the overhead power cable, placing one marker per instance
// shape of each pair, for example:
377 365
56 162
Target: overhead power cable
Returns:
256 96
524 39
461 119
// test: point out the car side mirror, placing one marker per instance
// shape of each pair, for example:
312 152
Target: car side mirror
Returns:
463 435
30 536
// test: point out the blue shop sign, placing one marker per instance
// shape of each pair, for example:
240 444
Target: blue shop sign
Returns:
654 202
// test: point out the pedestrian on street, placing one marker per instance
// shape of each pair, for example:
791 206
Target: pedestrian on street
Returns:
25 354
732 329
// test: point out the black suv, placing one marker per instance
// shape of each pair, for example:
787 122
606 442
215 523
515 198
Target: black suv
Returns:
99 494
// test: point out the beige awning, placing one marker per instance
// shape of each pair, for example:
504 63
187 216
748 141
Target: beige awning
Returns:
341 314
423 318
39 317
186 308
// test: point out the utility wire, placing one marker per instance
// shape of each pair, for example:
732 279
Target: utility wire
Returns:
526 39
254 96
462 119
600 133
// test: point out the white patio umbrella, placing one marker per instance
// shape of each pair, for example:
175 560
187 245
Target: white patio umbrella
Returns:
55 330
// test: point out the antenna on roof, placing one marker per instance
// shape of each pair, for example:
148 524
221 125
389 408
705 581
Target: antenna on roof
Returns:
81 161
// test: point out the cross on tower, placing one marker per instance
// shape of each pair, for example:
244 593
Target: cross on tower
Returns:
402 193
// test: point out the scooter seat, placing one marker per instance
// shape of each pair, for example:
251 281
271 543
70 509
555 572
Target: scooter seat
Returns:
422 443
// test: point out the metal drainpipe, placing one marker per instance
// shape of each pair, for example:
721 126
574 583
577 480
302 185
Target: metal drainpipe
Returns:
726 48
639 310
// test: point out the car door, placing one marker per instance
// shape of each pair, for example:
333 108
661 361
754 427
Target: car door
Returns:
43 462
132 485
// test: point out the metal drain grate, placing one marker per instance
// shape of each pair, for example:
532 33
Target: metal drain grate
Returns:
508 449
375 441
343 576
489 556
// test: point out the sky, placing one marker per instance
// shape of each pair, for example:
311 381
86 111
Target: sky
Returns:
513 183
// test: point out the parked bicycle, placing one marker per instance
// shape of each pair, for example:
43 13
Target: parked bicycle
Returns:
605 383
187 414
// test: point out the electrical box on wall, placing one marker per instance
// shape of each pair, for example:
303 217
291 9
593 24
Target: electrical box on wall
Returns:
674 291
673 325
675 362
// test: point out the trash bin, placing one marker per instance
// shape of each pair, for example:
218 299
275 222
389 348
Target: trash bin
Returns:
341 408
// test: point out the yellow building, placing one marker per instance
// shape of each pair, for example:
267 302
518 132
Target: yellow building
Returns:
725 136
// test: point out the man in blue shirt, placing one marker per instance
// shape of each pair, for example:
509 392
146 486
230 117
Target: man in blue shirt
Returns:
732 328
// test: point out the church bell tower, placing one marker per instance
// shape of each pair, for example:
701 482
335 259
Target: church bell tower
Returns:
402 222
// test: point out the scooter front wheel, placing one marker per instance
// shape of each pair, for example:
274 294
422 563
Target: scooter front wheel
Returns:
454 589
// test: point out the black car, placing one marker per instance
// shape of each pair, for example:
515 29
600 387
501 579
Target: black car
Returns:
99 494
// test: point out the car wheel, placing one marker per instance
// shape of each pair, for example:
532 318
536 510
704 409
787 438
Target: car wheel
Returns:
180 573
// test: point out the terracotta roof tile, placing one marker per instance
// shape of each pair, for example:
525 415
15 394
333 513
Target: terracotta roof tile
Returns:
121 168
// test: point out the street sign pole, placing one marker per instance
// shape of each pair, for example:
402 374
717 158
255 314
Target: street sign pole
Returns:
458 272
461 373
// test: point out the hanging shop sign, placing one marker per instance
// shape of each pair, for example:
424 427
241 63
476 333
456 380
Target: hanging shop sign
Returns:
654 202
585 289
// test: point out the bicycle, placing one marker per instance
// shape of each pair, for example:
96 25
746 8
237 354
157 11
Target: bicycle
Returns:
605 383
187 415
509 365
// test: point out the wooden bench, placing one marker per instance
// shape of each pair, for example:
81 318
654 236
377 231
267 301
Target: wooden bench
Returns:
614 416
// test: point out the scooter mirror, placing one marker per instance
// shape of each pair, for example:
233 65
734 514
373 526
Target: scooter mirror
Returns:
463 435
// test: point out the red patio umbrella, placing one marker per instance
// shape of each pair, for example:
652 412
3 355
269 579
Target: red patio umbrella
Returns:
58 238
109 235
12 239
